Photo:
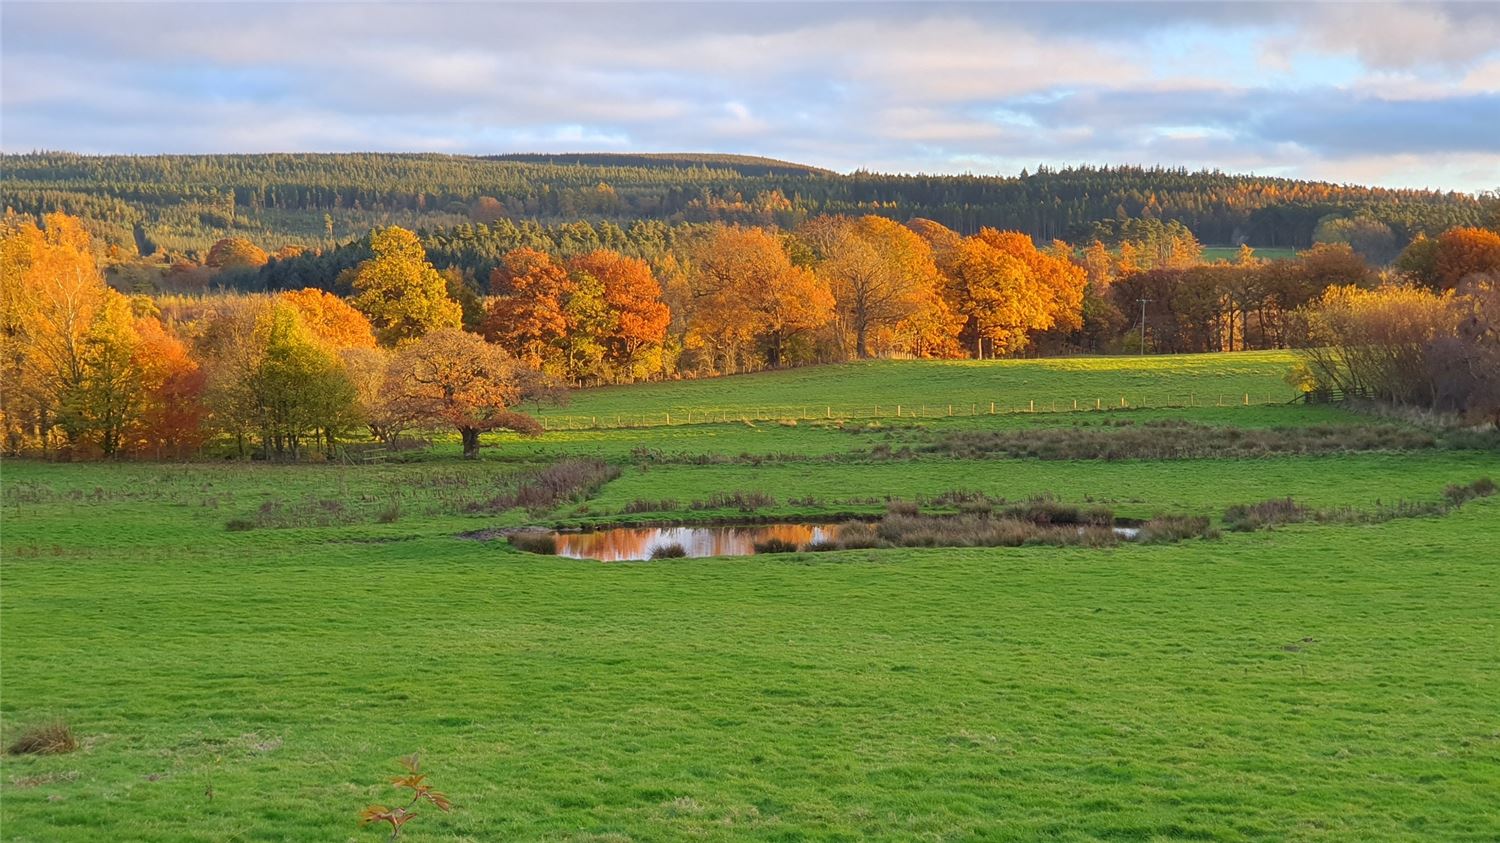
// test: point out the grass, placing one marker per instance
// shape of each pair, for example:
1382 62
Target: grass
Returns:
1314 682
965 385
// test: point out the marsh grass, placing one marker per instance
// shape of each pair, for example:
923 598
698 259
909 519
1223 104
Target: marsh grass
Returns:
669 551
534 541
52 738
1176 439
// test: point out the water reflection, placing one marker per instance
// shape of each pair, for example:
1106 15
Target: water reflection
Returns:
619 544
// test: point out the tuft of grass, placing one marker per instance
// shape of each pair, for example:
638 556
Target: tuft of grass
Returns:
1458 494
775 546
239 525
1255 516
51 738
644 505
743 501
1174 528
902 508
669 551
390 513
534 541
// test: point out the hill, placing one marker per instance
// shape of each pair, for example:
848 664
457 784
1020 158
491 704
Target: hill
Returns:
183 203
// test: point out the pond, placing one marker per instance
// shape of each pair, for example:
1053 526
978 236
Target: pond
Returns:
619 544
623 544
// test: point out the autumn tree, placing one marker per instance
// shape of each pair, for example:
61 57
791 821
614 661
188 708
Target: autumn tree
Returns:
454 379
630 292
879 271
1376 343
1465 252
53 295
235 253
527 314
400 292
110 395
748 296
1010 290
331 319
172 383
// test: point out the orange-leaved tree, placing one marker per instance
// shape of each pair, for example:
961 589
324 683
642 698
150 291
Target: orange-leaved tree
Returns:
527 312
451 378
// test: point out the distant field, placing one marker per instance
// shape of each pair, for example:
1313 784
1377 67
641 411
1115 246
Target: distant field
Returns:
1229 253
1305 682
965 384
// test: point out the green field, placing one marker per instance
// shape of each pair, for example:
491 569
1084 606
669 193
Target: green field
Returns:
932 387
1229 253
1308 682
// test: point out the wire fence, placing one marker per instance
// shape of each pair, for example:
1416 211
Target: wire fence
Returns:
918 410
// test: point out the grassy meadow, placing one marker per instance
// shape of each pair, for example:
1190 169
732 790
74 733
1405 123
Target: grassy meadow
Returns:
1308 682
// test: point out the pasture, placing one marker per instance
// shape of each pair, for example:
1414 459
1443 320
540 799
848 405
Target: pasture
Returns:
1312 681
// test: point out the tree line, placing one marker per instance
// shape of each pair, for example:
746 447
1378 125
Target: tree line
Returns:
177 203
394 343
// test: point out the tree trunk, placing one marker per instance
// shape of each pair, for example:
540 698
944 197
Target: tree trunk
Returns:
470 436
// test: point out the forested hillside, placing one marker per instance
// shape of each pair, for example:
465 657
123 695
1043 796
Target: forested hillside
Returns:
181 205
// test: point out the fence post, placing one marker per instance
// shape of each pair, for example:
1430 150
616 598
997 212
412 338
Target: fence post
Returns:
1122 400
992 408
1075 403
1098 403
898 411
1031 407
950 409
1247 399
669 417
829 411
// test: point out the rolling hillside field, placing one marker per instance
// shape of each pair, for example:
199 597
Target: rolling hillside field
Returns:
243 650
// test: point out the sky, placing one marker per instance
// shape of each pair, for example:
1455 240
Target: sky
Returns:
1392 94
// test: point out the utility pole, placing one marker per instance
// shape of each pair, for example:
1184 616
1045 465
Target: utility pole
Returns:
1143 326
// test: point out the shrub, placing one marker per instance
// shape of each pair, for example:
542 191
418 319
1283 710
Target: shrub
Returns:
1246 517
390 513
644 505
534 541
900 508
743 501
1459 494
858 535
563 481
822 546
54 738
668 551
775 546
1172 528
239 525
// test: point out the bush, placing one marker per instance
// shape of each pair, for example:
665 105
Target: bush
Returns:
822 546
534 541
390 513
1247 517
239 525
743 501
902 508
668 551
644 505
561 482
54 738
775 546
1458 494
1173 528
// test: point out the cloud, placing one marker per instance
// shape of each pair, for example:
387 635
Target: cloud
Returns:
914 87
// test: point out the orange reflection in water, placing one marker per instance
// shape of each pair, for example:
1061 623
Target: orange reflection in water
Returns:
624 543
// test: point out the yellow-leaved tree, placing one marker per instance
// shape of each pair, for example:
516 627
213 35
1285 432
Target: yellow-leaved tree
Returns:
400 292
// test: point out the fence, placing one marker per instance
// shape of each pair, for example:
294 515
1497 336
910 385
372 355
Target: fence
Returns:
828 412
